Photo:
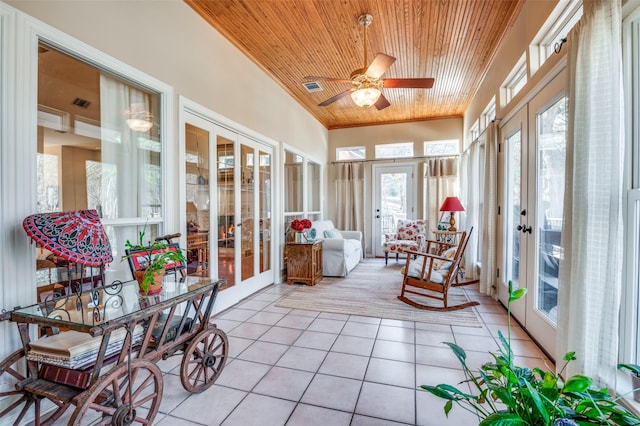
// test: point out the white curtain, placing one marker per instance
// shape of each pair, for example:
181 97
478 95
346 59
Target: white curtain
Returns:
442 182
123 186
489 217
590 272
293 187
470 197
350 197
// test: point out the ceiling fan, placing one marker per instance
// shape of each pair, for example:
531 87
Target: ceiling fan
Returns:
367 82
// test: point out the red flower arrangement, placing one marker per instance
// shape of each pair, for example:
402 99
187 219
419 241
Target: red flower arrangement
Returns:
300 225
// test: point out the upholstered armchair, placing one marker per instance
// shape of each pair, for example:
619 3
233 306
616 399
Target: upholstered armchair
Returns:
409 235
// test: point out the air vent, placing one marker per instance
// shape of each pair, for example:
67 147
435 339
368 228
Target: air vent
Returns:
312 86
82 103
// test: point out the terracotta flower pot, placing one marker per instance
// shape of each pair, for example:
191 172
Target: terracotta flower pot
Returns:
155 287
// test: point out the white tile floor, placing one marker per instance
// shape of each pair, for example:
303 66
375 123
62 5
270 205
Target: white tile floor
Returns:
294 367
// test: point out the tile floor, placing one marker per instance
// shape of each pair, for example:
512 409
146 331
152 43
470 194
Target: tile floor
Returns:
295 367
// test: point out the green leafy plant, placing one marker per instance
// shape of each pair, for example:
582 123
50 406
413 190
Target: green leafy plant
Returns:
155 256
505 394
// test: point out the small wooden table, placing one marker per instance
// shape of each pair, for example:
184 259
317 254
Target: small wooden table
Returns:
449 237
304 262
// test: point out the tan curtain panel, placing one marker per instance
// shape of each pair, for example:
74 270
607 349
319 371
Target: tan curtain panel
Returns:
442 182
350 197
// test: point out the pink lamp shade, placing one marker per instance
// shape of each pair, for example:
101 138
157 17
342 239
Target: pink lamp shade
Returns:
77 236
452 204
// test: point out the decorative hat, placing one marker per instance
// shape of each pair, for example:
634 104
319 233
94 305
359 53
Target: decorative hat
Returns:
77 236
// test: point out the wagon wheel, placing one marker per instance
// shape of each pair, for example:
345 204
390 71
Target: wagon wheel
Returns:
109 396
13 372
204 360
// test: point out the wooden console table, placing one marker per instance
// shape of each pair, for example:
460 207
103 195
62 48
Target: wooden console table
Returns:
304 262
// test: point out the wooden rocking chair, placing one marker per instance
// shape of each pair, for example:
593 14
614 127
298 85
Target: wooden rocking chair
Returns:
432 275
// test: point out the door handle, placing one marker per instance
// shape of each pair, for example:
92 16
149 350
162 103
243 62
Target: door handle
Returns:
519 227
527 229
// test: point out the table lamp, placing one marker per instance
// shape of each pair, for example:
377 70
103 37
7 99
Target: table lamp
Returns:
452 205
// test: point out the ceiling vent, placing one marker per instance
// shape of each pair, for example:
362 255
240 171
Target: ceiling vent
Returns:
82 103
312 86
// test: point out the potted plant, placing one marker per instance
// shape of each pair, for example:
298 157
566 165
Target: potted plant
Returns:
505 394
150 260
634 369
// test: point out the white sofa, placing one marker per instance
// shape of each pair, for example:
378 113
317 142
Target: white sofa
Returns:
341 250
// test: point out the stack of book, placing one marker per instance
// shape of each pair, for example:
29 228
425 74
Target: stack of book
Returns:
75 350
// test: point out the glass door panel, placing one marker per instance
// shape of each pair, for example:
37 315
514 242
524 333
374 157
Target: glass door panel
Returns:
393 198
226 232
247 212
264 182
514 210
197 200
513 147
552 142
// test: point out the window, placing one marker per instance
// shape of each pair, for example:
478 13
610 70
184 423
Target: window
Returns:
351 153
395 150
117 128
630 316
488 115
515 81
442 148
473 133
99 146
558 25
302 188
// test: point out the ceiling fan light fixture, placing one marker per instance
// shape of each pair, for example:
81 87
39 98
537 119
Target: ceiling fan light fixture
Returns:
366 96
366 91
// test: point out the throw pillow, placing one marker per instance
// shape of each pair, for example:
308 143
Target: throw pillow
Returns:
333 233
449 254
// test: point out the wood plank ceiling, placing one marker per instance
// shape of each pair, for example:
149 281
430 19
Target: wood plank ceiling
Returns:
452 41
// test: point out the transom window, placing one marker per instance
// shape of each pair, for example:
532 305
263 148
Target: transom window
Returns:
442 148
349 153
394 150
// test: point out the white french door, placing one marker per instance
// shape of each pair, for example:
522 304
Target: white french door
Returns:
533 168
394 195
228 203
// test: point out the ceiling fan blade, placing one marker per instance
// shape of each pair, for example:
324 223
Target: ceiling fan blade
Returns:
335 98
316 78
408 83
382 103
380 64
